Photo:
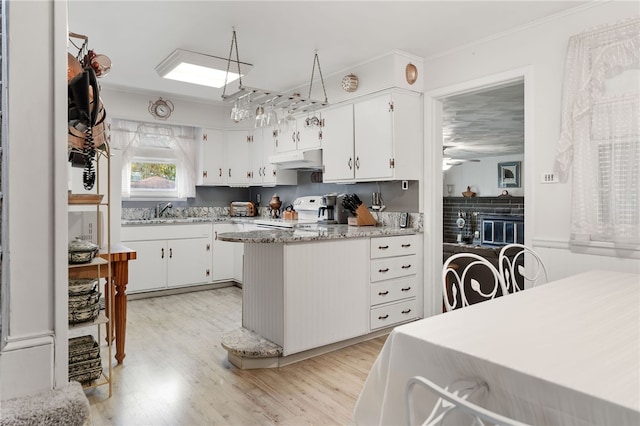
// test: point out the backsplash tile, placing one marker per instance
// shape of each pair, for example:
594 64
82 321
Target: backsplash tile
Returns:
146 213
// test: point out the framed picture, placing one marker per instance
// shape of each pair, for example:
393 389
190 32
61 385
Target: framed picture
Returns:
509 175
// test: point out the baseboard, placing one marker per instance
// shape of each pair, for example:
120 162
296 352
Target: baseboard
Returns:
180 290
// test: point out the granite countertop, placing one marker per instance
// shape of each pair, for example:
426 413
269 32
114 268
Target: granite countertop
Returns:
181 220
316 233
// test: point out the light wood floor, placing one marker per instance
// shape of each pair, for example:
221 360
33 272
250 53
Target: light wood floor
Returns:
176 372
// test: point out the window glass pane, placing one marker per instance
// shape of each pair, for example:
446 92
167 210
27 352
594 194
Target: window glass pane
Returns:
153 175
498 232
487 236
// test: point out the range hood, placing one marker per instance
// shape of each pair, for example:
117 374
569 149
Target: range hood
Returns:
298 160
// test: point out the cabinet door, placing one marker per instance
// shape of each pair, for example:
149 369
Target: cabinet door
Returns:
288 135
257 157
213 164
337 144
189 261
238 157
309 136
374 138
149 270
224 253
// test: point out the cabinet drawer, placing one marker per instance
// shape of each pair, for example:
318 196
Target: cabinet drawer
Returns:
388 315
394 267
399 245
393 290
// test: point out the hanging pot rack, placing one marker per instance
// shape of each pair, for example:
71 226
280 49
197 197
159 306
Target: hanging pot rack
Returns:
259 97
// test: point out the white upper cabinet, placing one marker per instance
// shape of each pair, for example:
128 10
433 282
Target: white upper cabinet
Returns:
239 145
374 138
337 144
297 135
386 139
212 170
263 172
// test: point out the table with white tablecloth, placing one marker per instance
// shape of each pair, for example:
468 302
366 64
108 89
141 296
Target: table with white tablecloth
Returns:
566 352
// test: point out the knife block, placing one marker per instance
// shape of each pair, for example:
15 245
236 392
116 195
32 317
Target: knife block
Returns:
363 217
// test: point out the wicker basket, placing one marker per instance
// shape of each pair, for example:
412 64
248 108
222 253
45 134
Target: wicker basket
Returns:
86 376
84 314
83 348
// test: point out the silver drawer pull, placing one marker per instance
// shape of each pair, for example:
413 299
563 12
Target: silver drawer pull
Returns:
383 293
383 247
406 266
405 289
382 317
383 270
407 311
406 245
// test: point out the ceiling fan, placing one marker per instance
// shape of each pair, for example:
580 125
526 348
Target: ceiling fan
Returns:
449 160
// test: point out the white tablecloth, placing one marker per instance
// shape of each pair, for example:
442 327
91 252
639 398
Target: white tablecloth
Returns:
567 352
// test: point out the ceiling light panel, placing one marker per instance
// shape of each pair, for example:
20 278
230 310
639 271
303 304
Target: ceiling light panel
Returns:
197 68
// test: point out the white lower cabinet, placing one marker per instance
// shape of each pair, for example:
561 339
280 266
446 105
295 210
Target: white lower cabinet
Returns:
394 280
168 256
227 257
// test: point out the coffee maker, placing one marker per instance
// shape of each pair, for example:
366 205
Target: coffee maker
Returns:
327 208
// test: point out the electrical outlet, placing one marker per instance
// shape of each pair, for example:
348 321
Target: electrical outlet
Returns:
549 177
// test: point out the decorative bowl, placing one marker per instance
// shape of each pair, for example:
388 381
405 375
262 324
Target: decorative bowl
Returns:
82 286
468 192
82 251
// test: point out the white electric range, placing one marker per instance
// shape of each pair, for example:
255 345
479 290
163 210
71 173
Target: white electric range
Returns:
307 208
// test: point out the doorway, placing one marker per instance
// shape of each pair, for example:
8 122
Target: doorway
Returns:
433 160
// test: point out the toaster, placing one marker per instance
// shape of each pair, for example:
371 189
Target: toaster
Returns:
242 208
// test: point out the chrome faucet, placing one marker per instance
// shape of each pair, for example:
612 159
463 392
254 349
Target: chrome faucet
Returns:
161 209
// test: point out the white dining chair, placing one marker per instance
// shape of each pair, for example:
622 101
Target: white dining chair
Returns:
453 404
468 278
521 267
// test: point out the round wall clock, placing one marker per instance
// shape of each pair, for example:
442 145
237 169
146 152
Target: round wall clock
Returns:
411 73
161 109
350 83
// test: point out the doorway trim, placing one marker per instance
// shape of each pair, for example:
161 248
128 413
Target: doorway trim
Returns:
432 190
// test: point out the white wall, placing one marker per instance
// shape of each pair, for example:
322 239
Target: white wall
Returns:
541 48
34 270
135 106
482 177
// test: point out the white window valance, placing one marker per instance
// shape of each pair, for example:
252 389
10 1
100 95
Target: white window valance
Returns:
157 141
600 134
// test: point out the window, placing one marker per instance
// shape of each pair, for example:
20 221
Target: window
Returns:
158 160
600 138
152 175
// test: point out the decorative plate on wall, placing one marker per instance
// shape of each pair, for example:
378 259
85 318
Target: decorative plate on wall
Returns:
350 83
411 73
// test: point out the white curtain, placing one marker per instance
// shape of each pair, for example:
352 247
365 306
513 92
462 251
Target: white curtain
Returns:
600 135
159 141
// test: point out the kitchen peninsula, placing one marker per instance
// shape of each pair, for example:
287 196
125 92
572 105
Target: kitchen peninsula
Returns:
311 290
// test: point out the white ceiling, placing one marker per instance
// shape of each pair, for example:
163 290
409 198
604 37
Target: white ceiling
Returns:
280 37
484 123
